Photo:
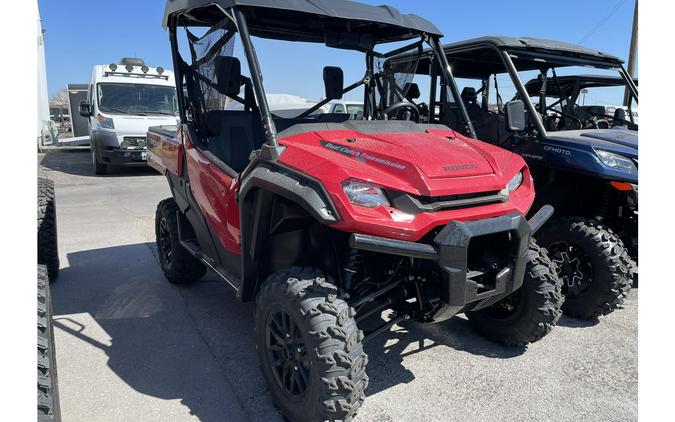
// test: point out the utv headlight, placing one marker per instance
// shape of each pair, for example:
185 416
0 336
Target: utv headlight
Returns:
105 122
616 161
364 194
515 182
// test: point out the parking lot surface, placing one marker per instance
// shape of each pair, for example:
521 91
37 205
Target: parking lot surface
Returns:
132 347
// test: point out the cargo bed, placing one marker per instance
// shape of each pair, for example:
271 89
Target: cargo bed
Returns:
165 149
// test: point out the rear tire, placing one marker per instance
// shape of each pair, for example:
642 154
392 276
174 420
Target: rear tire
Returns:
593 264
178 265
309 347
529 313
48 408
48 250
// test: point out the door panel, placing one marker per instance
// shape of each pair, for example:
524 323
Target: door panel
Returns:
215 194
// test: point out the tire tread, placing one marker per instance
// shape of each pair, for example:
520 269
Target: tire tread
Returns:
335 340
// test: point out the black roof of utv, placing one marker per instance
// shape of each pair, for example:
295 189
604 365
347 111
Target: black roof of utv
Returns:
304 20
479 57
569 82
532 44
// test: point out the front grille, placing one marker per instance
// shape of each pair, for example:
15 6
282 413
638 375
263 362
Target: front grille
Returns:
412 204
428 200
133 142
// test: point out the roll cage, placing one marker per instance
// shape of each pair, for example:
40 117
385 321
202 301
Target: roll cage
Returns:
567 89
483 57
336 23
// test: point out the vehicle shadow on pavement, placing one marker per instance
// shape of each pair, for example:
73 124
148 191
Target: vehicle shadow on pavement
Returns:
386 353
570 322
195 343
145 329
78 163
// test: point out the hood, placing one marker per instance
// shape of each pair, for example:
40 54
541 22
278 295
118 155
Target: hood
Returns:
435 156
421 158
128 123
614 140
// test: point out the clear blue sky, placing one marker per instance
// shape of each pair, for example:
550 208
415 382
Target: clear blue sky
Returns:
83 33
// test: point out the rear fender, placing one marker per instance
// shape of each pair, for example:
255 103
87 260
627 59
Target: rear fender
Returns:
165 150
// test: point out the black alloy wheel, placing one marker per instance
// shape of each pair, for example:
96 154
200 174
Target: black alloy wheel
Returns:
574 267
592 263
287 354
165 241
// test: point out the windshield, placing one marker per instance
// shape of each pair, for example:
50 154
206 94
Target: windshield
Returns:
136 99
566 93
576 97
364 87
354 109
287 86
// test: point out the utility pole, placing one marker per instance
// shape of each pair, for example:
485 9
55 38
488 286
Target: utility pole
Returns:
631 54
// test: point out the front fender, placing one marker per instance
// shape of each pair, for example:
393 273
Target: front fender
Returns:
256 193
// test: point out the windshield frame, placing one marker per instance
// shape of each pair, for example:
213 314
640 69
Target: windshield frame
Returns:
555 61
107 110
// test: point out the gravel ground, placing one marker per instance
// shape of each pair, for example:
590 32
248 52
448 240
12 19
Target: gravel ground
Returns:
130 346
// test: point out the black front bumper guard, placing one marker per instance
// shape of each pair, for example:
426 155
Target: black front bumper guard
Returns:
450 251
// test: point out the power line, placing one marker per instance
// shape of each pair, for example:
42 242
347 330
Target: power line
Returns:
601 22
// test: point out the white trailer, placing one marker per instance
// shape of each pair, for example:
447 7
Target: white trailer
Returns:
47 132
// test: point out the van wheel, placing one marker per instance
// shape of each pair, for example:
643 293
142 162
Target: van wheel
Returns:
99 168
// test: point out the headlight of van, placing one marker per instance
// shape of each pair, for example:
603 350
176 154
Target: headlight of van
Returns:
364 194
105 122
616 161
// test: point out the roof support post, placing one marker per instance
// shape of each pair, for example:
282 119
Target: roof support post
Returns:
446 71
256 76
523 92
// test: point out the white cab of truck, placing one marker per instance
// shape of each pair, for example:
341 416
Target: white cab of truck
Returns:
123 100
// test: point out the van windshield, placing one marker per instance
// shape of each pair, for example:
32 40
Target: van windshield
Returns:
138 99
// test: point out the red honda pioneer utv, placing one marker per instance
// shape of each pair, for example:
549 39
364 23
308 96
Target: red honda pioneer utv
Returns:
326 221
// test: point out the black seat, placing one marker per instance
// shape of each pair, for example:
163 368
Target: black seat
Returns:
233 134
489 127
619 117
469 95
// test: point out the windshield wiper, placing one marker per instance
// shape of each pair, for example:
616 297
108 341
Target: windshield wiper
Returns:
115 110
164 113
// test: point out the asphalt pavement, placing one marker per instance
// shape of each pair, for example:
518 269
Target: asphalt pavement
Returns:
132 347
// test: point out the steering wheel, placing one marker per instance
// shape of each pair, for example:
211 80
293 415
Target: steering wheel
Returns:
580 124
605 121
600 123
394 110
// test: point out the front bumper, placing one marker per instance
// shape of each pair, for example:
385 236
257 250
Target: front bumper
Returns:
106 146
122 157
451 251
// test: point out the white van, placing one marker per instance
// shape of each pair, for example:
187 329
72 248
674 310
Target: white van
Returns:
123 100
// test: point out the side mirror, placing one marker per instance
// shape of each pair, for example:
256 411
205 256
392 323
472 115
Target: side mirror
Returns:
228 75
333 80
85 109
514 114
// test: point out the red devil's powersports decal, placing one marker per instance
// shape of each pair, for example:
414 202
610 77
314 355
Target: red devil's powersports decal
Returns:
360 155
